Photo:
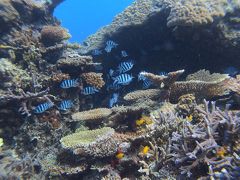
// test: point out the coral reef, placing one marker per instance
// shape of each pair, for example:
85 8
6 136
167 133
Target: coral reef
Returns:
165 132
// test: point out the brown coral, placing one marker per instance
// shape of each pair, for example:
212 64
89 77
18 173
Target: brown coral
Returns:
93 79
51 35
92 115
52 117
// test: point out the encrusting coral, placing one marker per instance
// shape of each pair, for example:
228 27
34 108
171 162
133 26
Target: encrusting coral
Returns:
196 12
96 143
93 79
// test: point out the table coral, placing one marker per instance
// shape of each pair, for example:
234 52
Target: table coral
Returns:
92 115
95 143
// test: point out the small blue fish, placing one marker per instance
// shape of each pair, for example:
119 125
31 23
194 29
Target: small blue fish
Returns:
89 90
231 71
110 45
43 107
141 76
113 100
123 79
111 72
124 54
147 83
163 73
68 83
114 87
96 52
125 66
66 104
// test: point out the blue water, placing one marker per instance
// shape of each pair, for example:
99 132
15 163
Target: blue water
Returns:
85 17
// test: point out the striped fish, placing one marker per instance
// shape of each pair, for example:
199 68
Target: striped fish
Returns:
147 83
141 76
110 45
123 79
68 83
89 90
113 87
96 52
162 73
43 107
113 100
124 54
66 104
125 66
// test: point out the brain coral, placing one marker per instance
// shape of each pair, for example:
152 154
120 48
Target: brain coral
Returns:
94 114
95 143
195 12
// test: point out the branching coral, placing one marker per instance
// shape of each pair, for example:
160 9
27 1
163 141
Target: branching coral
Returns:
23 99
196 145
96 143
92 115
93 79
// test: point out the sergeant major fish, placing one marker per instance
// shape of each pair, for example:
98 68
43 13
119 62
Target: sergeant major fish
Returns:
125 66
43 107
96 52
113 100
68 83
89 90
66 104
123 79
124 54
110 45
